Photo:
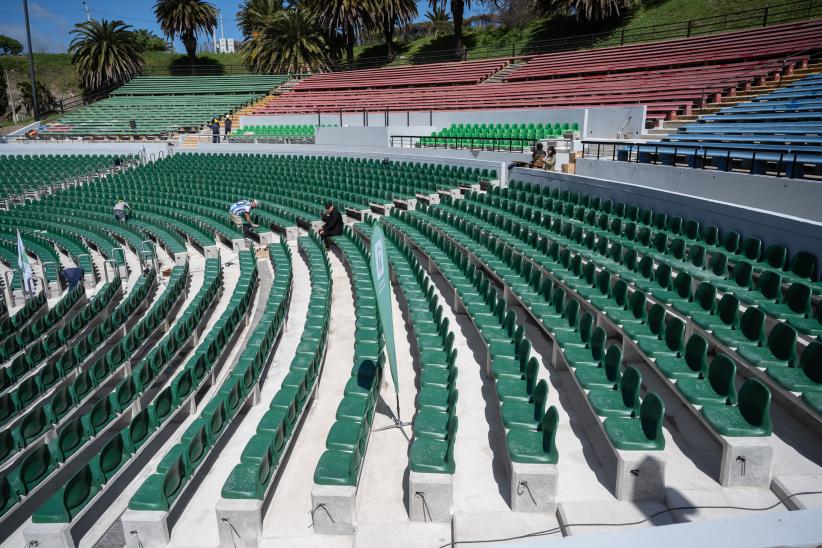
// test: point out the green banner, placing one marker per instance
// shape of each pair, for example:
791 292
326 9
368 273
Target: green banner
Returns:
382 286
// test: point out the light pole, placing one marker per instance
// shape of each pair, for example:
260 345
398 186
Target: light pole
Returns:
34 105
11 97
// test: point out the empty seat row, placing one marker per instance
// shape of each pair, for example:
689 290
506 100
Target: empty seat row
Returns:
45 353
263 455
89 367
530 427
37 330
347 440
651 337
85 487
182 461
73 437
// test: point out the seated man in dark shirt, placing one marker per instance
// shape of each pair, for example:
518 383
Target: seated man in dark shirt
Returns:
333 223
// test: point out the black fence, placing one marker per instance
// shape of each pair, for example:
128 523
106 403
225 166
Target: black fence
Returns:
759 160
759 17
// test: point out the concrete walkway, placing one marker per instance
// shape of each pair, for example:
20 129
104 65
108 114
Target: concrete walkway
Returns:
288 520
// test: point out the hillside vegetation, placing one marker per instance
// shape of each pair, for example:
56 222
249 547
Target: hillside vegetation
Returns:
539 33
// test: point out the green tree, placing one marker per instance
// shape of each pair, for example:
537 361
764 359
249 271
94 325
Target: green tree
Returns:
148 41
439 20
458 8
392 13
591 10
348 17
104 52
184 19
256 14
291 41
9 46
45 100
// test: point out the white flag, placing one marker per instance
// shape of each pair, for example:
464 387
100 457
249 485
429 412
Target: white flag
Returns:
24 265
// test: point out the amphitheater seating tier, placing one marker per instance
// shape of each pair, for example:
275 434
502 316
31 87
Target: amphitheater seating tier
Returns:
764 136
162 106
669 77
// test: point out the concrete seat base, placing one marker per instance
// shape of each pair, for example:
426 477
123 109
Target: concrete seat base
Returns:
746 462
533 487
431 497
638 475
333 509
145 529
51 535
239 522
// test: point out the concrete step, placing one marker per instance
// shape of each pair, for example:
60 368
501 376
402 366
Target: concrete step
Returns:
659 131
503 73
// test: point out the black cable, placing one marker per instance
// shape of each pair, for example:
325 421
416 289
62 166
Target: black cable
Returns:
631 523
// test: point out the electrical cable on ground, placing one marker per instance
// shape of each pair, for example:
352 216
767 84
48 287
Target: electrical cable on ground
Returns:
555 530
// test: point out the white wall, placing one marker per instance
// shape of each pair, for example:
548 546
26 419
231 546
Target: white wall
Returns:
602 122
366 136
473 159
82 147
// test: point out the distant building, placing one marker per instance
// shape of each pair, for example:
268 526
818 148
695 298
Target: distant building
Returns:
224 45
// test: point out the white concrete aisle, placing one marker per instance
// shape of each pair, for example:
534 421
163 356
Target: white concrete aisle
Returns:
288 521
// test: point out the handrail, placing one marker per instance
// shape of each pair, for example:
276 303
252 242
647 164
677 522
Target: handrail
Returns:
788 164
509 144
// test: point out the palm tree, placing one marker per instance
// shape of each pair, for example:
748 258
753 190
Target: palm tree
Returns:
591 10
185 18
45 100
438 19
150 41
104 52
255 14
349 17
392 13
458 8
291 41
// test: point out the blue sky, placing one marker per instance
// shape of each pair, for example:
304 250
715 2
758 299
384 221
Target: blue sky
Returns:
51 20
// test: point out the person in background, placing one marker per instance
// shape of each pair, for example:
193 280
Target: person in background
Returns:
215 130
551 159
537 157
122 211
227 125
240 213
333 223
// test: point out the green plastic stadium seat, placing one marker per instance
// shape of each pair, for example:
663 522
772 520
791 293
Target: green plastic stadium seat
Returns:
639 434
535 447
750 417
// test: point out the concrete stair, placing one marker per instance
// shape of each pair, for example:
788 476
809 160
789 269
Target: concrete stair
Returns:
190 142
499 76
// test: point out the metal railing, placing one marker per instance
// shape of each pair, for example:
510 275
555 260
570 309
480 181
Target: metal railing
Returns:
499 144
720 157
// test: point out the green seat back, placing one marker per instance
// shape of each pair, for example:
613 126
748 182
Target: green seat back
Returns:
782 342
629 387
752 324
755 404
652 415
721 375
